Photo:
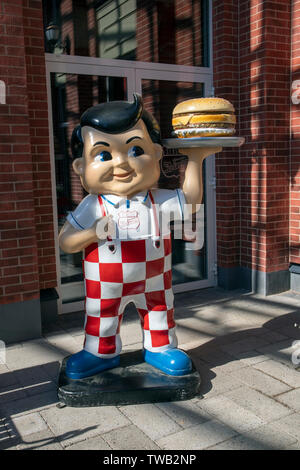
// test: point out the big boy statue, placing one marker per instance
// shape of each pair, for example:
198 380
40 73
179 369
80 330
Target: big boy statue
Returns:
127 250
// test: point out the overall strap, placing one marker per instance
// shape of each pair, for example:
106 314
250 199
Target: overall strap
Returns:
102 207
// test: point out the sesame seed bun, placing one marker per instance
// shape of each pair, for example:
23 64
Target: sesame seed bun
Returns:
204 117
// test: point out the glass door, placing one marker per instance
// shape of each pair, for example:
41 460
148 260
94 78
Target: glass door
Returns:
71 95
76 83
193 256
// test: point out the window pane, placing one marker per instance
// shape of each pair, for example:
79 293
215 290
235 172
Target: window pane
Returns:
71 95
189 258
172 32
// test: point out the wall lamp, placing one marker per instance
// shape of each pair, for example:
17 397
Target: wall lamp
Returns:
52 34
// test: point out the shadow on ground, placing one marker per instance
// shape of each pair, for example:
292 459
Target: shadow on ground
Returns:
33 388
245 345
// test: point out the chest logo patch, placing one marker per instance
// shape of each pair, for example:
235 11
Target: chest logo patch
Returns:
128 220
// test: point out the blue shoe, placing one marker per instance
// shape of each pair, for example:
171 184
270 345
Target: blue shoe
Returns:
171 361
84 364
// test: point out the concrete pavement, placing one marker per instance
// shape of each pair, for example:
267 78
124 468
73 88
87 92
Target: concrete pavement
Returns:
244 346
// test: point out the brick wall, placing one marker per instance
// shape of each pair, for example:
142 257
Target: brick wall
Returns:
252 47
226 83
27 238
295 136
251 69
265 55
146 32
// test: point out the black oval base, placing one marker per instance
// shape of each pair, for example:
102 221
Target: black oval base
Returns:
133 382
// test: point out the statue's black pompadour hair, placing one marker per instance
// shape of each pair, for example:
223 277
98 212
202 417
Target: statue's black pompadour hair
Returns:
114 117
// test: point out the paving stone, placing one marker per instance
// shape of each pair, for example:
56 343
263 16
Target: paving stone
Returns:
8 426
64 342
94 443
29 424
251 357
9 437
232 366
58 336
219 383
132 347
271 336
9 443
71 425
212 355
191 329
7 377
280 352
151 420
291 399
11 393
34 380
197 437
31 375
43 440
129 438
290 424
131 333
239 330
191 345
38 389
295 446
290 331
246 344
280 371
51 369
267 437
185 413
260 381
32 353
4 434
260 308
29 404
73 329
79 339
230 413
262 406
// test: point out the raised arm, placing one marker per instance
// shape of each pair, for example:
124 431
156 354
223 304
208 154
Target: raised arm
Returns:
193 184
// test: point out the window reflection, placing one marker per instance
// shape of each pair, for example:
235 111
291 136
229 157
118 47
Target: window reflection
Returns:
189 260
163 31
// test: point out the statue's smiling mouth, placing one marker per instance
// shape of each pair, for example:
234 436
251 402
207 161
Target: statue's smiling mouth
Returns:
123 175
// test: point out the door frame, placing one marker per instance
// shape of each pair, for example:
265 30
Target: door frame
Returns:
135 72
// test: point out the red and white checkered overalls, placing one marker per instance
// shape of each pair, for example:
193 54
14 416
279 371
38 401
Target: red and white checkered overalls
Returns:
119 272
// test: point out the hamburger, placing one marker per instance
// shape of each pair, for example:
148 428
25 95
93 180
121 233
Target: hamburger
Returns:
204 117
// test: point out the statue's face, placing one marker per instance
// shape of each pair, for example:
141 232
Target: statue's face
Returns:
122 164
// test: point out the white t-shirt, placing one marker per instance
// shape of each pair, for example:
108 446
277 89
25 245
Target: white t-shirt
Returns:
134 218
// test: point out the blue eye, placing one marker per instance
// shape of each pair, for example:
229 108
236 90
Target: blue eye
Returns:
103 156
135 151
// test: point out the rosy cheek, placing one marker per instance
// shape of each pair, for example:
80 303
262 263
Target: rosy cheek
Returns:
140 163
96 165
94 172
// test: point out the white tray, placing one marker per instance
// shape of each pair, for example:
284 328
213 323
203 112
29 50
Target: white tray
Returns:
179 143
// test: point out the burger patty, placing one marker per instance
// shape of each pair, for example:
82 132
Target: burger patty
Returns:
204 132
